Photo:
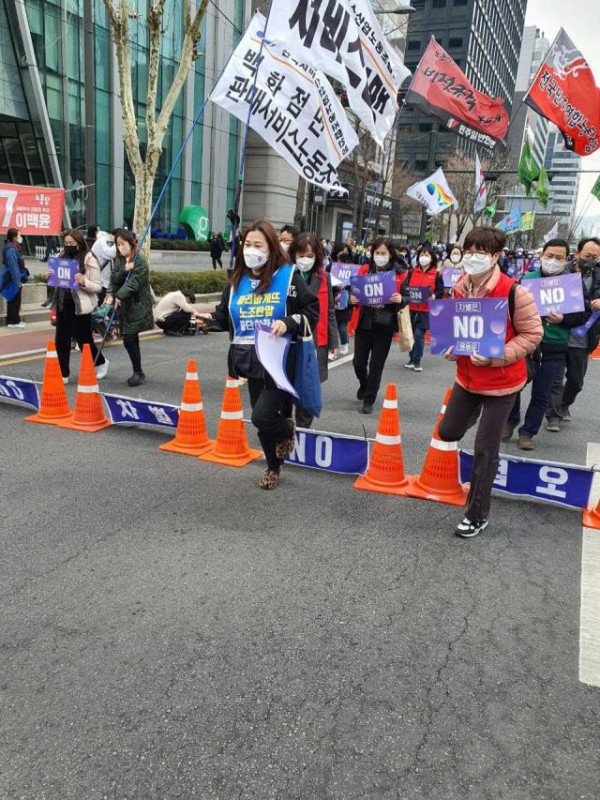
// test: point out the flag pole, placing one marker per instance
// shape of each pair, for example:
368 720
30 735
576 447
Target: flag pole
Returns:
384 163
235 221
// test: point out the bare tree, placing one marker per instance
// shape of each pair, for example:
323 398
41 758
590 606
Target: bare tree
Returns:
157 121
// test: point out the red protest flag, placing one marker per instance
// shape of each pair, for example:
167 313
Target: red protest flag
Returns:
441 90
565 92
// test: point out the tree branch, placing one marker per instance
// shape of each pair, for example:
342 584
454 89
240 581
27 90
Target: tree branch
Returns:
154 19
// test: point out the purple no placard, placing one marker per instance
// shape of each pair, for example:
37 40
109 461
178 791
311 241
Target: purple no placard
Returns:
374 289
343 272
63 273
451 275
469 326
562 294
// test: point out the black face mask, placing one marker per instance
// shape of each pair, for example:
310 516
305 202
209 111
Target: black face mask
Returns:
71 250
586 265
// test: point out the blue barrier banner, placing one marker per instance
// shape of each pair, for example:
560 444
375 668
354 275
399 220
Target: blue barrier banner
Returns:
127 411
330 452
563 484
19 391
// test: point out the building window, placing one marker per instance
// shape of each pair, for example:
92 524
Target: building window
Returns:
414 45
455 41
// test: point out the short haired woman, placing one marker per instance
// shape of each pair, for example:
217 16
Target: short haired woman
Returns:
11 277
131 287
74 306
486 386
262 268
423 276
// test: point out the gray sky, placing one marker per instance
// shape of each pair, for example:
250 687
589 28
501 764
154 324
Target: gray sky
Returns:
580 20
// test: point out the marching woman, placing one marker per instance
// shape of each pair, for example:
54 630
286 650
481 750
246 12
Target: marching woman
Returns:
131 287
74 306
486 386
424 276
307 253
264 281
376 326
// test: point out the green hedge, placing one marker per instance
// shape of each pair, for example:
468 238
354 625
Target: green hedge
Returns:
196 282
179 244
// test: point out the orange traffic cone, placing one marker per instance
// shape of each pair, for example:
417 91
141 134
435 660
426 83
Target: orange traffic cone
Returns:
231 447
89 413
386 465
591 517
191 438
54 403
439 479
427 337
596 353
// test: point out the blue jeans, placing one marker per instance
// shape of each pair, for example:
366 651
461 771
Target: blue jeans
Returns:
416 354
541 389
343 331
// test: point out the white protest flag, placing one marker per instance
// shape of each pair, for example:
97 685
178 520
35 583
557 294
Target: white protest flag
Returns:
294 109
480 187
434 193
552 233
344 39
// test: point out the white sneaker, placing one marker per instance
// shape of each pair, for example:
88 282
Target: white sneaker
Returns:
65 381
331 357
102 369
17 325
343 349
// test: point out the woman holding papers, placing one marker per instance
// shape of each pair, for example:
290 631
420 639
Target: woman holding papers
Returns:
306 252
487 387
377 325
264 287
425 282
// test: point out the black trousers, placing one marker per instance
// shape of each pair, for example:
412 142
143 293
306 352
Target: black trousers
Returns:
177 321
131 342
70 326
462 413
271 411
577 364
216 260
371 348
13 307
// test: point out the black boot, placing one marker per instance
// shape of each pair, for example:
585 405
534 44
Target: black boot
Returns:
136 379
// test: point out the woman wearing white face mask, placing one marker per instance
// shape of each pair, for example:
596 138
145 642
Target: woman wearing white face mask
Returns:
486 386
425 279
454 259
376 326
307 253
12 277
264 287
131 284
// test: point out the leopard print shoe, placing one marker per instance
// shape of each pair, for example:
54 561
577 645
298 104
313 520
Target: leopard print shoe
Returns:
286 447
269 480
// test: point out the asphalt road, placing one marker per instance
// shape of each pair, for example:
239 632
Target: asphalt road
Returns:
167 630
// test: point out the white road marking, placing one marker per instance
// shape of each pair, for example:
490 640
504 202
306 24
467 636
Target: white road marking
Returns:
589 635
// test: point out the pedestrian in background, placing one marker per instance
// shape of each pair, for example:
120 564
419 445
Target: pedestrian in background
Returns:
217 245
12 277
423 277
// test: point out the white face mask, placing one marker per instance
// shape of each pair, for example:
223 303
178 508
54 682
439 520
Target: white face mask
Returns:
305 263
381 261
552 267
284 246
424 261
456 258
254 259
477 263
19 239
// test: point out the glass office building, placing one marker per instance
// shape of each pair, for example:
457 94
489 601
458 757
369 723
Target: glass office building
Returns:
60 117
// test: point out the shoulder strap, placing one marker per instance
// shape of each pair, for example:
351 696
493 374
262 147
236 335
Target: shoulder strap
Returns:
511 303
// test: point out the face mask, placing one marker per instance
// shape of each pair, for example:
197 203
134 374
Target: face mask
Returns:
71 250
424 261
254 259
19 239
586 264
477 263
456 259
381 261
125 250
306 263
552 267
284 246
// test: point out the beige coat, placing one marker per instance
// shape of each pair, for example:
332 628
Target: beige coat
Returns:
87 294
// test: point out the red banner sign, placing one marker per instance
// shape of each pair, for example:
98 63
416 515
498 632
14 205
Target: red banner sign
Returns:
33 210
565 92
441 90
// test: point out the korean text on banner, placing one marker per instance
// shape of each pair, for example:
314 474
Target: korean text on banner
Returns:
469 326
19 390
559 294
441 90
565 92
294 109
32 210
345 41
127 411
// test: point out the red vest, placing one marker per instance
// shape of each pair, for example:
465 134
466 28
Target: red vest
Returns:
420 278
322 330
492 379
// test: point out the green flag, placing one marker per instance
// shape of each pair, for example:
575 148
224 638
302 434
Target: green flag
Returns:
527 221
542 192
490 211
528 171
596 189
